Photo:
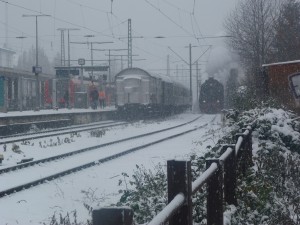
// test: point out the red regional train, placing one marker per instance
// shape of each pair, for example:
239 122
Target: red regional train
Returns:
72 93
18 91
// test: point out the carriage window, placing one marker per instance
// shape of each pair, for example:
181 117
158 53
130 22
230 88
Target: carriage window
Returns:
295 83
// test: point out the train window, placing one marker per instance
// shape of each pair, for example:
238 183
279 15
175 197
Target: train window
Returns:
295 84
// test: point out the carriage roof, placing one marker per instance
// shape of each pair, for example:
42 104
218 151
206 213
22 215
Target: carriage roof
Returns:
134 72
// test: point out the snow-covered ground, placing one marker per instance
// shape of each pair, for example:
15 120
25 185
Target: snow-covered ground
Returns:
98 186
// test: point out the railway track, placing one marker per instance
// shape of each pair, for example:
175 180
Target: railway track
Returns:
60 131
119 149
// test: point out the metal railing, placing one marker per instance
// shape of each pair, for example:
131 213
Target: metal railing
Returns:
220 176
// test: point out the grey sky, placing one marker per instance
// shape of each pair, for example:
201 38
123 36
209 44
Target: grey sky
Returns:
179 21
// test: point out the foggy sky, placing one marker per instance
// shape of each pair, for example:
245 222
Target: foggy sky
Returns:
178 21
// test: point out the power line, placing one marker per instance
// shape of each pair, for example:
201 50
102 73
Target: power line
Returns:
176 7
112 28
86 6
169 18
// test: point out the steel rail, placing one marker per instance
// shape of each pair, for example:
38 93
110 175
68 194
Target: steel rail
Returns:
93 163
91 127
57 129
32 163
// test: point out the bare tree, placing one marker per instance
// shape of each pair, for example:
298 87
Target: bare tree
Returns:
251 27
27 60
286 43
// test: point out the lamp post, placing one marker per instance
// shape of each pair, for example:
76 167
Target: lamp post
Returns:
20 87
36 68
191 93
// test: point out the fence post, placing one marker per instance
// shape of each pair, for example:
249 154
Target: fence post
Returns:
230 176
113 216
180 181
215 195
248 147
241 157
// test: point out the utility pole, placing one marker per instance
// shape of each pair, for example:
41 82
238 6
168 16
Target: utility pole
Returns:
190 66
168 65
191 93
36 69
197 81
111 5
129 44
63 45
121 62
69 57
177 72
109 67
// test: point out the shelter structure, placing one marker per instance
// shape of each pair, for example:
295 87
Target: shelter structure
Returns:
6 57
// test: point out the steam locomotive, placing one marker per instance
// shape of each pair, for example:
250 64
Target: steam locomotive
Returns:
211 98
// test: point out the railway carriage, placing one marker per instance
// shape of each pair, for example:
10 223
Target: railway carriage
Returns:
140 93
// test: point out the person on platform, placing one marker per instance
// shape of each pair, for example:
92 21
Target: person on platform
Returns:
61 102
66 98
102 98
94 98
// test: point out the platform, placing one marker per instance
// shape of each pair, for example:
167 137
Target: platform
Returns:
16 121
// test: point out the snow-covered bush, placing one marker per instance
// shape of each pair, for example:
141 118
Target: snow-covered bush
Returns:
268 194
149 196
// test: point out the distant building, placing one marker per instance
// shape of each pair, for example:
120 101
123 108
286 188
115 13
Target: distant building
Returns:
6 57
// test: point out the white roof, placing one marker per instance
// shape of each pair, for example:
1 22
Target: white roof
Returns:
281 63
7 50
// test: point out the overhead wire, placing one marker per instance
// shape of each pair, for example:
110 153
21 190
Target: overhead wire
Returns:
59 19
192 25
178 8
169 18
202 54
111 28
54 17
192 16
86 6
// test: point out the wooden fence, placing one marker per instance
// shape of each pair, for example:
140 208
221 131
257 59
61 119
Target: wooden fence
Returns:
220 176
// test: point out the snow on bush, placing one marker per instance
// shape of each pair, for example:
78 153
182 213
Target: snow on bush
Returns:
268 194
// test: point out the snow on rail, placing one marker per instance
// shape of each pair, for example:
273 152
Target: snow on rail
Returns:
169 210
226 154
204 177
240 141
